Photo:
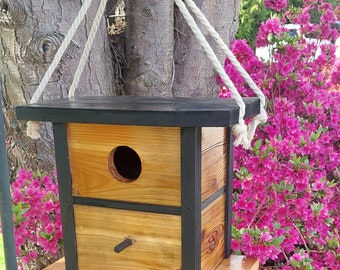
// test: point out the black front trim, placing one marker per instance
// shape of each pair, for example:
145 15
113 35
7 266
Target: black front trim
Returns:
191 197
65 195
141 111
152 208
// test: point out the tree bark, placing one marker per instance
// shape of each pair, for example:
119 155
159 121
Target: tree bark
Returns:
195 74
149 47
30 34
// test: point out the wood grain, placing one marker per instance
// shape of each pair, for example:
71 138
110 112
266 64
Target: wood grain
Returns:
212 246
157 147
157 239
58 265
213 160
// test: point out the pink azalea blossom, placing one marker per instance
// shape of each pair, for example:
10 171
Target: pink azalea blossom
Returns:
277 5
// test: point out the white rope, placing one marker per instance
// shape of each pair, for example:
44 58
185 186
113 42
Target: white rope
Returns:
241 127
243 134
262 117
88 45
32 126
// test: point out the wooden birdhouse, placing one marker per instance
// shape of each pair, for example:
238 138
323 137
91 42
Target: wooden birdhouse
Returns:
145 183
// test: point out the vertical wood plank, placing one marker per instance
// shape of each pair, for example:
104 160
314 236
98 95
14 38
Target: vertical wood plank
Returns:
213 160
213 246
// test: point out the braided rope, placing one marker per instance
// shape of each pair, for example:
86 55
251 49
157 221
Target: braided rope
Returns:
239 130
87 48
200 16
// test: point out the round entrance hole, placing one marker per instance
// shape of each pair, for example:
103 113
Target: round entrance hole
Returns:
124 164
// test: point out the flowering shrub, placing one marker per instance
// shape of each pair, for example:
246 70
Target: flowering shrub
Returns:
37 219
286 187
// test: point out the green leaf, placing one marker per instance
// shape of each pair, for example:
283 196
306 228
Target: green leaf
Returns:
309 266
293 196
329 221
290 187
315 136
293 262
283 185
45 235
276 241
277 225
332 183
302 142
276 187
258 144
20 208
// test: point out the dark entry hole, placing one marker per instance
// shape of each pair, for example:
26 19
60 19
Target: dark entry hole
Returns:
124 164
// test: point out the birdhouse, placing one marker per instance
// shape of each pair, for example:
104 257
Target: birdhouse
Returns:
145 183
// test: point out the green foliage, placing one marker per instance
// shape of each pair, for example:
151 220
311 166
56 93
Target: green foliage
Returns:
2 255
252 13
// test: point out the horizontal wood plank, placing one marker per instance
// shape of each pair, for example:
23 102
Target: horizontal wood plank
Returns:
157 239
158 149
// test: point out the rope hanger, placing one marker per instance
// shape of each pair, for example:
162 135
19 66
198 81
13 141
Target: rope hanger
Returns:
243 134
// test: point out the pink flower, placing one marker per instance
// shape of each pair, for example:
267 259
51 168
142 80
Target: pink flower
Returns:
37 217
235 244
277 5
269 28
297 257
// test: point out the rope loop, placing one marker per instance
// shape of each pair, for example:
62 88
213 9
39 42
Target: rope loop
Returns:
243 134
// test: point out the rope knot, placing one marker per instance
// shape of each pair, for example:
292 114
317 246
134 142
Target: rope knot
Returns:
240 131
256 120
32 130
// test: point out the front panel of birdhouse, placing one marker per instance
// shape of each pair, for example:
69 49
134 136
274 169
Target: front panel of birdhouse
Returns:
141 165
125 163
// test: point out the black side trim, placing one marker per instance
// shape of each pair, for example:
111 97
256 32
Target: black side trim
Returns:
229 191
212 198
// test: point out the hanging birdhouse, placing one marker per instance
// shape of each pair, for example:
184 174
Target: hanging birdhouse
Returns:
145 183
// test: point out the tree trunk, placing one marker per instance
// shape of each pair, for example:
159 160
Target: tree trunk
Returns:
30 34
195 74
163 57
160 57
149 47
